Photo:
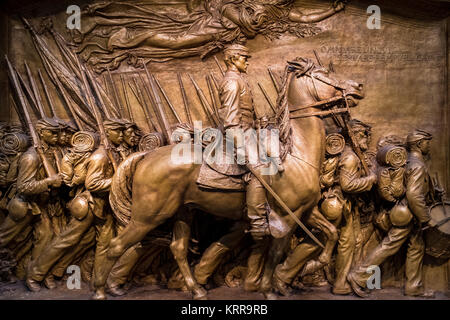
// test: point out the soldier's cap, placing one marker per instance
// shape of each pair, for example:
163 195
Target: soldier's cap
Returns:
114 124
237 49
48 124
358 126
66 125
71 126
418 135
130 124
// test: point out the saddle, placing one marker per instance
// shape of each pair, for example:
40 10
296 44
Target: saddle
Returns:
215 175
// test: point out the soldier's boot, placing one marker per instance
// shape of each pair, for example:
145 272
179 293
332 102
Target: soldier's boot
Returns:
419 292
209 262
50 282
33 285
256 209
281 286
115 290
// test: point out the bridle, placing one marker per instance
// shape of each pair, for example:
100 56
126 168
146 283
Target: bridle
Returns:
331 82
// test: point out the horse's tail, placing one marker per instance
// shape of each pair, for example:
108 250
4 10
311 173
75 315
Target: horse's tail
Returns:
120 195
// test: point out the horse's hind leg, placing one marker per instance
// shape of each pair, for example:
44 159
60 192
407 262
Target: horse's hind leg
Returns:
179 248
132 234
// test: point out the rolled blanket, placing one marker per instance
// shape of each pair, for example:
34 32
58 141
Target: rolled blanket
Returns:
85 141
14 143
392 156
150 141
334 143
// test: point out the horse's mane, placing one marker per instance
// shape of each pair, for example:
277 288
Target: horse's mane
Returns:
282 115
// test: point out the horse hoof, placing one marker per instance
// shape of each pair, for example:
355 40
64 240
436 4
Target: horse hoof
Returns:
270 296
99 295
200 294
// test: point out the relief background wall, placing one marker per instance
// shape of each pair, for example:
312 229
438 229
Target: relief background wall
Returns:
403 66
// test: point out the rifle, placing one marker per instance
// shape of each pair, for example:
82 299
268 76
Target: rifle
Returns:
154 107
213 96
167 99
317 58
353 141
28 93
98 117
140 99
185 100
274 80
159 106
205 104
116 95
125 94
267 97
47 94
220 67
37 96
35 89
97 93
49 170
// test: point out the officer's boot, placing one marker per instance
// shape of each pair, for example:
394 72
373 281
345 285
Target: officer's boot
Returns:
256 209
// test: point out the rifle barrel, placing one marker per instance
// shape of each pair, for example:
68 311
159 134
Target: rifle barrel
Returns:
267 97
125 94
159 106
47 94
174 111
49 170
207 108
35 89
185 100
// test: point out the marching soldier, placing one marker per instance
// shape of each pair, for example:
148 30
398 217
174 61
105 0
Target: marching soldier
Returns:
88 208
352 183
131 136
68 129
406 226
35 198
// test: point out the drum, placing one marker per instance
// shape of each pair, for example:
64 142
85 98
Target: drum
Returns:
437 239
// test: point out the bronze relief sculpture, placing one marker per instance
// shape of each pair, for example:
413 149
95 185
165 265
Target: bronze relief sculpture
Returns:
114 181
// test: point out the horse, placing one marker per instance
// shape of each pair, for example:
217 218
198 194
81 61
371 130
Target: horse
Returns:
162 188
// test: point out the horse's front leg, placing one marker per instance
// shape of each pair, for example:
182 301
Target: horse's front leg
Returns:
179 248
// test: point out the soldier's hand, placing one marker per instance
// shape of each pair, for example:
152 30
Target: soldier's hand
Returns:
55 181
338 5
439 192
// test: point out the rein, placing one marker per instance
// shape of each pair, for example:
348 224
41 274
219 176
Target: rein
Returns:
330 82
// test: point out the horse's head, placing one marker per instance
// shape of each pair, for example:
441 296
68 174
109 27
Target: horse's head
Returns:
313 83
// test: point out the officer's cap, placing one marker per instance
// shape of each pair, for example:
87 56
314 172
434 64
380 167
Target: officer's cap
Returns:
237 49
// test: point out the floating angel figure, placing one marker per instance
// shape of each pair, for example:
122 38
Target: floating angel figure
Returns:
124 30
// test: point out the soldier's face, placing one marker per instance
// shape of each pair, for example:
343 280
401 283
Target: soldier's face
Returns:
363 140
115 136
241 63
49 137
130 137
62 138
425 146
69 135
